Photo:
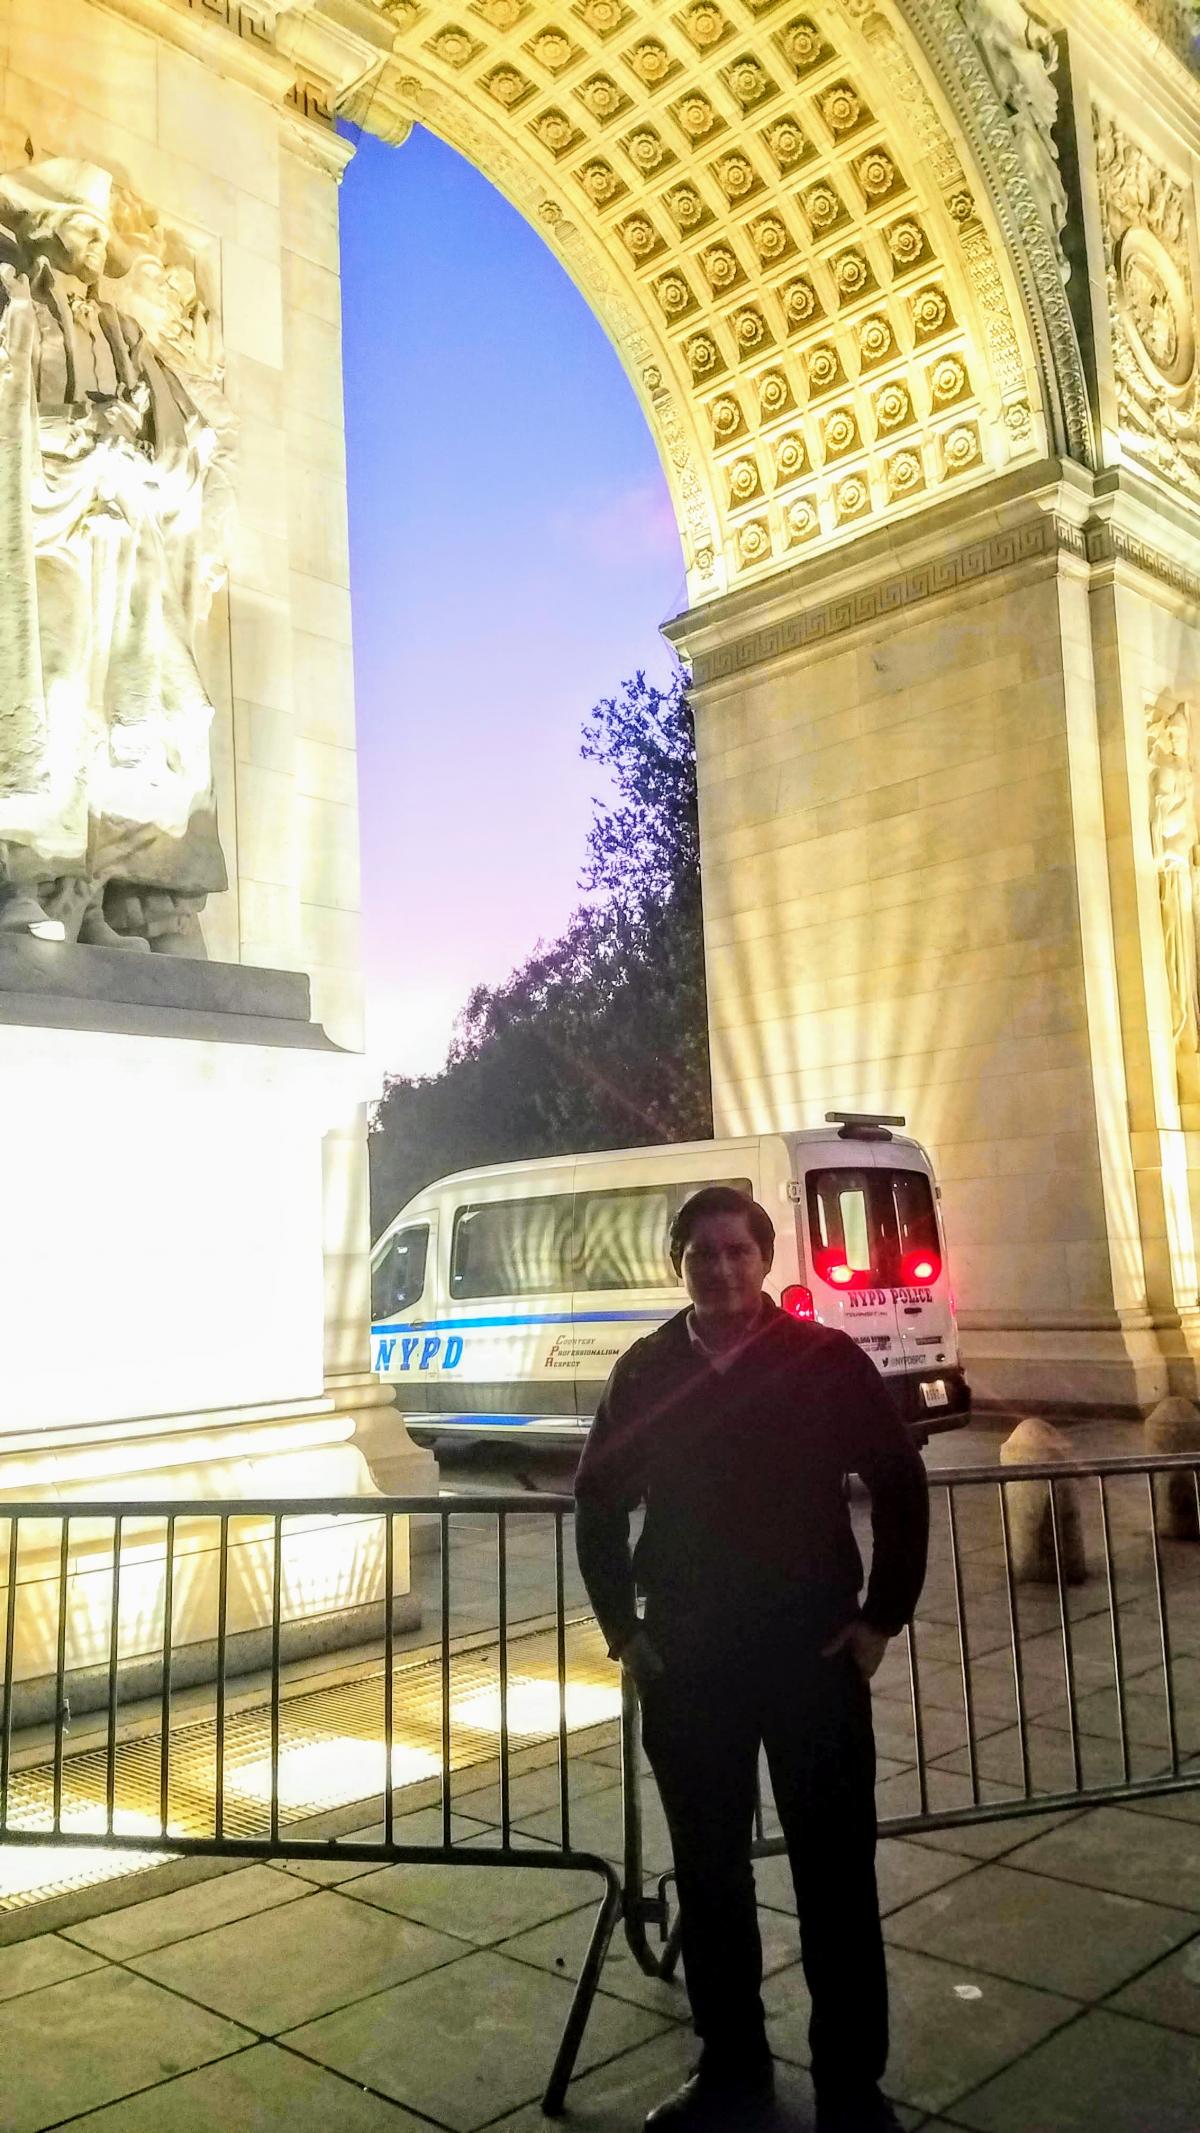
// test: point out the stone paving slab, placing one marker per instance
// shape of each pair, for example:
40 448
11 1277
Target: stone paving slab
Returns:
92 2039
1134 1855
162 1919
1169 1993
560 1947
1079 1941
952 2028
480 1904
281 1968
469 2042
263 2090
49 1960
1103 2072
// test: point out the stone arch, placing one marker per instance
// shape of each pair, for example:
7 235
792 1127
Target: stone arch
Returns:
811 233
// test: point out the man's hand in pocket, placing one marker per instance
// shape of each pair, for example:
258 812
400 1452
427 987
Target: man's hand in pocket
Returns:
640 1662
865 1645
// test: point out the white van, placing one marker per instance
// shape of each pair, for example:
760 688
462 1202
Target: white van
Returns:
501 1298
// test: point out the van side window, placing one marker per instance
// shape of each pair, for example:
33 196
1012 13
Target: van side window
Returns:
512 1247
622 1240
398 1275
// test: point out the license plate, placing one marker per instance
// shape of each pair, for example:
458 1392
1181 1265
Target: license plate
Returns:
934 1393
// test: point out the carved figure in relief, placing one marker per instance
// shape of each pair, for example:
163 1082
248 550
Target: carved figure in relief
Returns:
1147 224
115 516
1021 57
1175 842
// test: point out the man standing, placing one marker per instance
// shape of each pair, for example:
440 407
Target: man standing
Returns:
735 1426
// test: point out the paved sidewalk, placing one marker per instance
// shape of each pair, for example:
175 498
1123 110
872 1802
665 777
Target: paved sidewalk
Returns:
1045 1973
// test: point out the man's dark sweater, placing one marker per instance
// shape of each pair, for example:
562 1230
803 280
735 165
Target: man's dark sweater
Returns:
742 1474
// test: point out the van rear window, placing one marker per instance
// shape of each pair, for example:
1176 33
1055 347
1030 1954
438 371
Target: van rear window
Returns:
873 1228
512 1248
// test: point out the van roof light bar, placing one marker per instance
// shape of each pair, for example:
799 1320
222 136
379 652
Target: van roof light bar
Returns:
862 1125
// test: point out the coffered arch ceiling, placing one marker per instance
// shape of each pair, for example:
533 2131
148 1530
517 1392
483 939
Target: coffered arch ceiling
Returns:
807 229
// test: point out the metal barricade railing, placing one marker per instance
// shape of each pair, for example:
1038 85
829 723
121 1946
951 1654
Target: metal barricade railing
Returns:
1011 1696
88 1586
1006 1699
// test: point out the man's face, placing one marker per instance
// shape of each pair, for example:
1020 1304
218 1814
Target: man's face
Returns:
723 1268
83 241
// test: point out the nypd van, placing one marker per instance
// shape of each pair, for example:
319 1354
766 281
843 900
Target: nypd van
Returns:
501 1298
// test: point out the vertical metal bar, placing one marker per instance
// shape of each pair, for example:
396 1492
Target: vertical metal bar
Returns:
389 1662
276 1603
164 1761
114 1654
445 1568
1014 1637
60 1667
1115 1623
505 1770
560 1626
1068 1659
914 1684
963 1647
222 1626
1163 1632
10 1638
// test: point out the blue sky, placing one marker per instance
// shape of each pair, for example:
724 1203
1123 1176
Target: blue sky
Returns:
513 552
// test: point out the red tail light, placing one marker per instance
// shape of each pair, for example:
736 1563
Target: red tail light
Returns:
798 1303
919 1267
833 1268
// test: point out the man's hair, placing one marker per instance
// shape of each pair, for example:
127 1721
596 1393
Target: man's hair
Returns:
720 1200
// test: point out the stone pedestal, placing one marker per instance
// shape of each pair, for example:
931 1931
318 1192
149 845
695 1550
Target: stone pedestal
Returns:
162 1285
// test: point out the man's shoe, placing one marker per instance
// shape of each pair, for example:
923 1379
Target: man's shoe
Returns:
867 2113
712 2102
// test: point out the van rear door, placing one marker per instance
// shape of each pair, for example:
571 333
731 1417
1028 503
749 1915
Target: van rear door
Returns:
844 1206
923 1307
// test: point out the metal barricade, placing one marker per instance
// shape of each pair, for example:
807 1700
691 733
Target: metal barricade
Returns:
84 1581
1008 1698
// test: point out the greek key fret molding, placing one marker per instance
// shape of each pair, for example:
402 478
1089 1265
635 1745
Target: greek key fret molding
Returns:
1110 544
1045 535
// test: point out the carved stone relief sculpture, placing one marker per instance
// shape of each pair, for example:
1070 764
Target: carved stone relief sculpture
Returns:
1175 842
1021 57
115 522
1148 245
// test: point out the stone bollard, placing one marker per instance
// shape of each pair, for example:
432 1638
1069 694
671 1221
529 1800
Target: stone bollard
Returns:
1030 1518
1174 1426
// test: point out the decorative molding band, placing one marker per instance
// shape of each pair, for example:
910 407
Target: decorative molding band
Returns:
1111 544
952 53
1045 535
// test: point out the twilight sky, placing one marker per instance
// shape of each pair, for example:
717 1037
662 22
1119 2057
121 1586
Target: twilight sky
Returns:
513 551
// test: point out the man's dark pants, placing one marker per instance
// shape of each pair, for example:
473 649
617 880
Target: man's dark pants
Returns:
703 1721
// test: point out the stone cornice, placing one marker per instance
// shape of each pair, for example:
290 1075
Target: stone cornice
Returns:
1057 523
306 59
235 39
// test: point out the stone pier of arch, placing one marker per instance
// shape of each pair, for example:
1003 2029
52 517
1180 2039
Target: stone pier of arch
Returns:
907 292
